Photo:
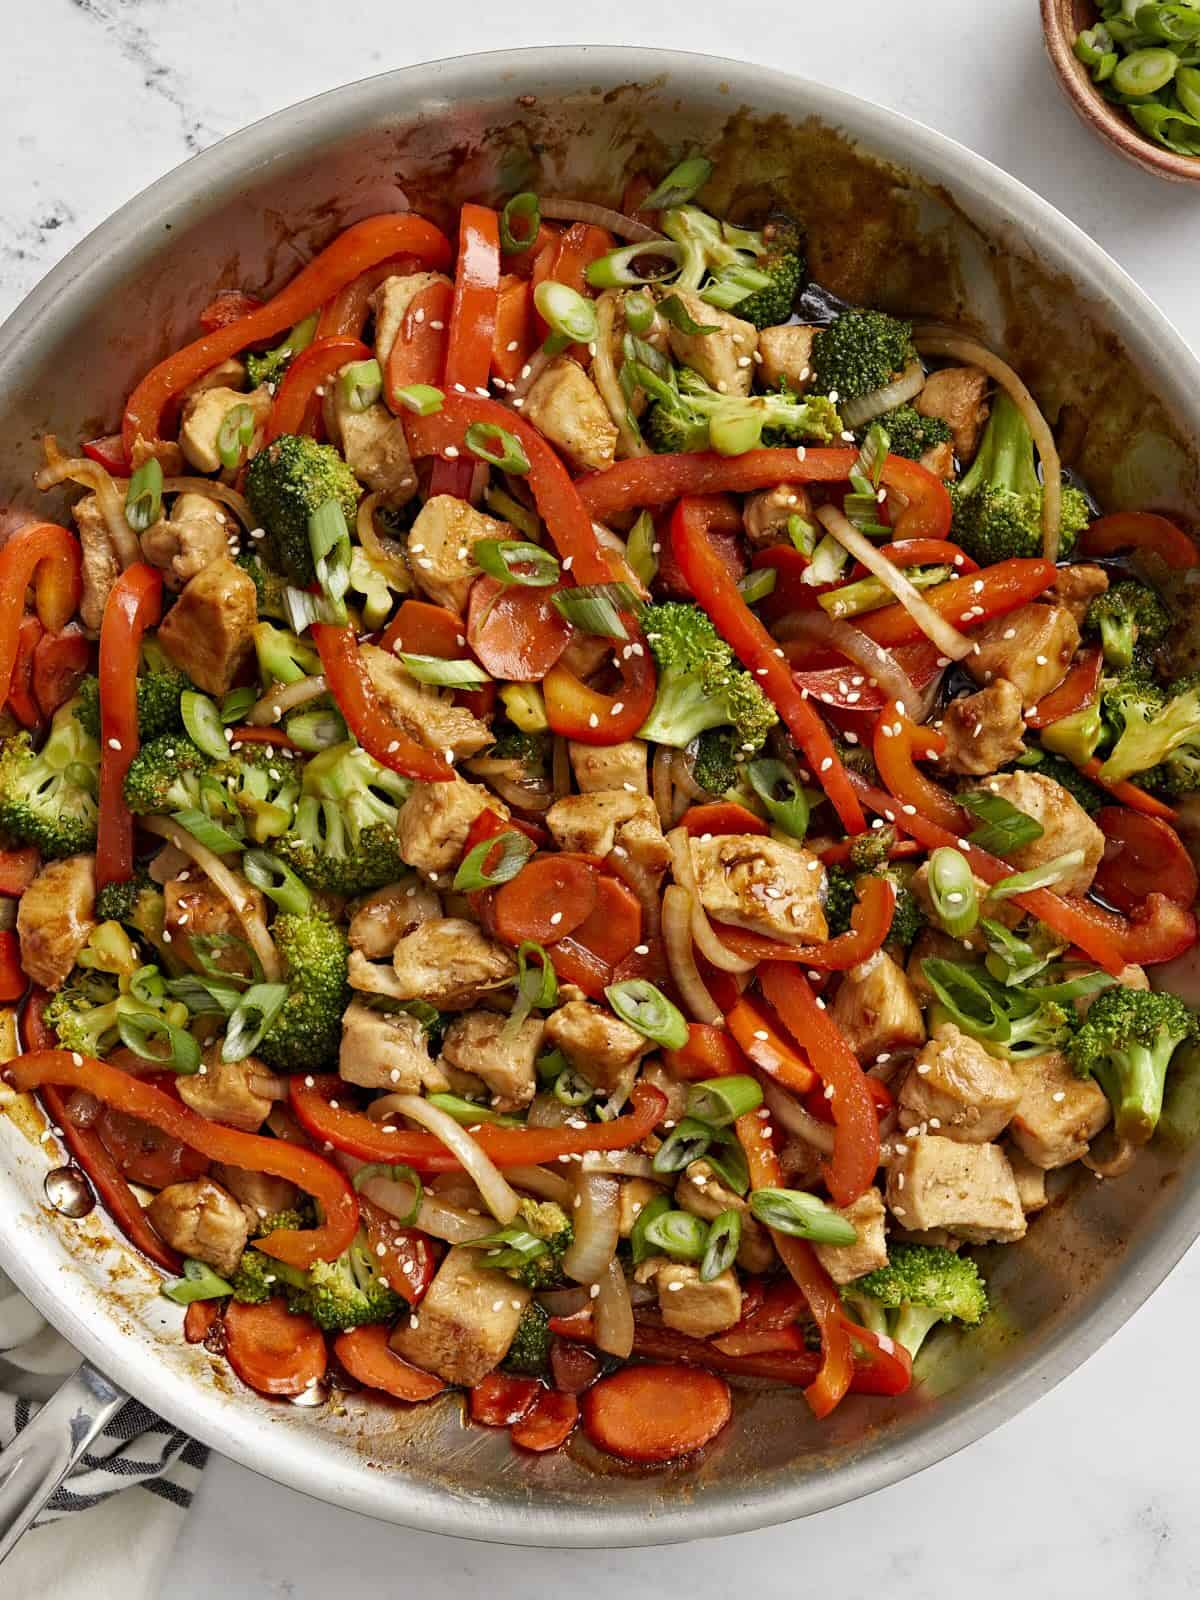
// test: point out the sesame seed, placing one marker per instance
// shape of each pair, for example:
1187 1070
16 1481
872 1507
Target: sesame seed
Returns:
114 744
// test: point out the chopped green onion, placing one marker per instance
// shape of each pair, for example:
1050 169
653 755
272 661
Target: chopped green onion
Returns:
515 561
777 786
1012 960
638 307
143 498
728 1161
640 1247
277 881
1042 877
570 316
677 1234
1006 828
721 1101
499 448
680 185
468 1113
255 1013
205 997
148 985
329 539
512 511
509 1249
206 947
237 703
421 398
651 366
515 849
536 976
723 1244
623 268
637 1002
870 594
360 384
202 722
673 310
140 1030
234 434
572 1089
519 223
970 1002
757 584
687 1141
446 673
317 730
640 551
802 533
1087 983
1144 72
1187 87
952 891
207 832
551 1065
394 1172
595 608
802 1215
199 1282
1092 45
734 432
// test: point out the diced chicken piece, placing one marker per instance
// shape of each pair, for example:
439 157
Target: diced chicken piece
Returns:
436 819
983 731
696 1308
939 459
968 1189
202 416
424 713
387 1050
1058 1114
195 534
1130 976
482 1043
702 1192
206 632
959 396
375 447
845 1262
374 977
391 300
876 1008
1077 585
1031 647
380 919
440 545
608 819
1065 826
227 374
200 1219
192 905
610 766
451 963
724 359
786 353
765 514
757 883
463 1327
100 565
260 1194
55 916
636 1194
566 407
598 1045
222 1091
165 451
955 1087
1031 1181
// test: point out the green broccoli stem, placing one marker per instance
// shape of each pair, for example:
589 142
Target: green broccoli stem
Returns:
1118 635
913 1325
682 710
1134 1079
1004 459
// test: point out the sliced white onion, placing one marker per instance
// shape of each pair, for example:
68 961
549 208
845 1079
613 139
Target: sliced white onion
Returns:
1116 1163
382 552
541 1181
681 777
677 937
498 1195
816 627
596 1218
436 1216
612 1313
231 885
604 371
660 785
703 933
933 340
790 1114
910 382
529 374
560 209
284 697
109 492
944 634
213 489
268 1085
546 1110
564 1302
618 1163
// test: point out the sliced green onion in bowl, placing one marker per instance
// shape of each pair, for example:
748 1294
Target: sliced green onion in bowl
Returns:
723 1243
519 223
1041 877
677 1234
234 434
570 316
207 832
1005 826
644 1007
143 1031
256 1011
499 448
448 674
360 384
202 723
638 308
780 791
687 1141
536 976
970 1002
640 551
277 881
329 540
623 268
680 185
394 1172
143 498
199 1282
952 891
1144 72
802 533
757 584
467 1112
421 398
595 608
483 868
551 1065
802 1215
516 561
721 1101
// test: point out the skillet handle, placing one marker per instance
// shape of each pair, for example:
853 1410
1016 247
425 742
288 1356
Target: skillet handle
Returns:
40 1457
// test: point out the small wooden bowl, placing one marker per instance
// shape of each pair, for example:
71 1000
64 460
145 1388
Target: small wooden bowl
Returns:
1061 21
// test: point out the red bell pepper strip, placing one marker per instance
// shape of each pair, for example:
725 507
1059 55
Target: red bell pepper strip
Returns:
21 700
733 619
472 328
1140 530
418 353
760 1037
847 698
1078 689
109 452
272 736
653 480
589 717
898 741
925 553
851 1170
297 406
514 340
18 869
352 689
721 816
1142 855
226 307
574 251
360 246
134 604
60 662
138 1098
1128 793
346 312
708 1053
1004 587
870 923
49 557
357 1135
722 519
13 982
819 1107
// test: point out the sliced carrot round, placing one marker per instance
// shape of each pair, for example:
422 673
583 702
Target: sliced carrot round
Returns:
199 1318
550 897
656 1413
367 1356
547 1423
515 632
272 1350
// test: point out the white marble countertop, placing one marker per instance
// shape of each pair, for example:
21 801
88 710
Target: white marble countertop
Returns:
1093 1490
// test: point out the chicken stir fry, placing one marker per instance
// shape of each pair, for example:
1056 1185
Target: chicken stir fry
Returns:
599 829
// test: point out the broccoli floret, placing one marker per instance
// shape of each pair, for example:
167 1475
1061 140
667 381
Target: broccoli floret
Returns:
85 1013
285 483
48 796
755 273
689 415
139 904
530 1249
529 1353
859 352
1152 728
700 683
907 919
841 896
158 694
840 899
305 1036
532 750
264 785
165 776
714 762
998 503
909 433
857 758
341 1294
269 366
268 585
291 1218
1126 614
258 1277
1089 795
921 1286
1126 1042
342 838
